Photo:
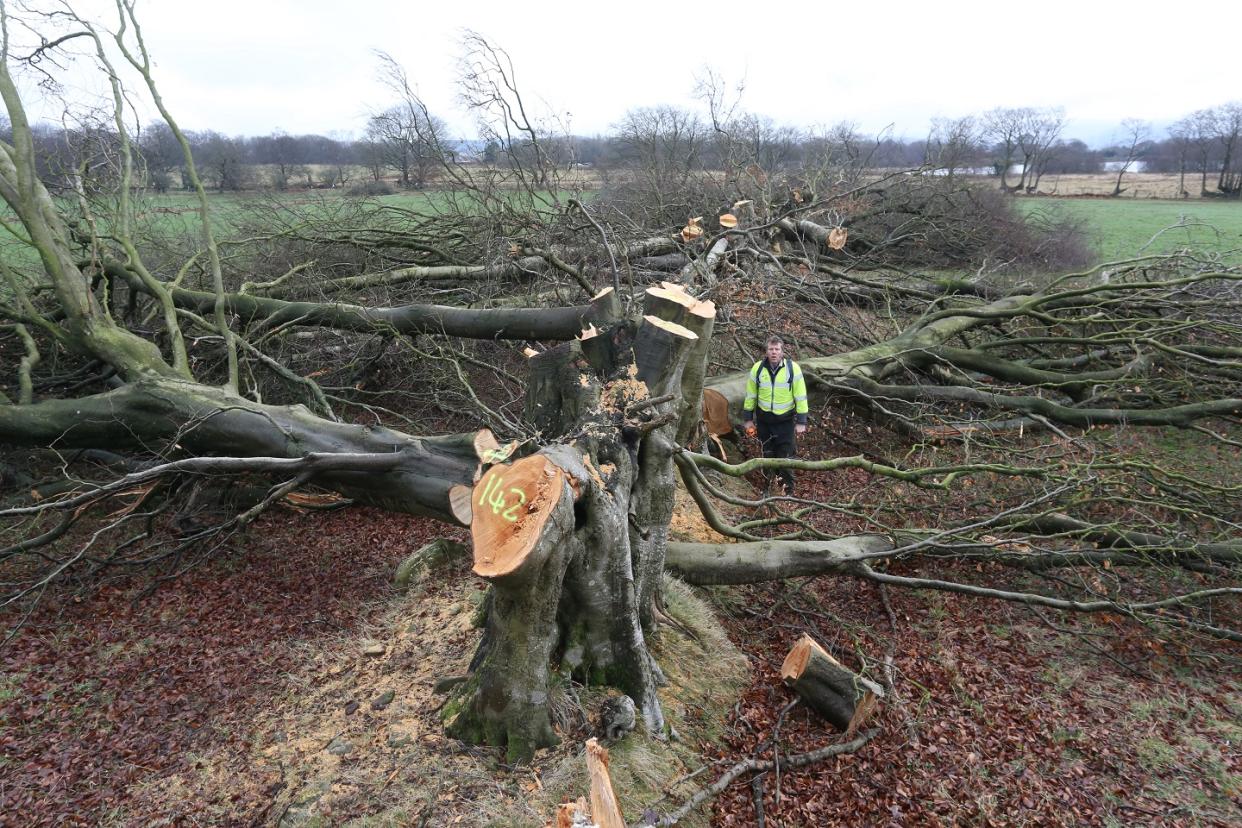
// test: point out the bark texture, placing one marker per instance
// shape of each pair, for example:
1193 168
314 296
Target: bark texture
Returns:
609 405
837 693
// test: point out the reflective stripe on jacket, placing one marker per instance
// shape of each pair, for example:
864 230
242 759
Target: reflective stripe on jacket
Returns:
778 394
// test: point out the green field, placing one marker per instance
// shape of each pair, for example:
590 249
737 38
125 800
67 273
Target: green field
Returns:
1122 228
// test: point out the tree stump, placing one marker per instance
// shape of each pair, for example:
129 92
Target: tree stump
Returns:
832 690
523 518
574 538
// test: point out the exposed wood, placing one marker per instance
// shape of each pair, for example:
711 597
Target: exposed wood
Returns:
658 346
570 814
604 808
669 301
700 318
484 443
505 700
837 693
716 413
599 352
511 504
461 499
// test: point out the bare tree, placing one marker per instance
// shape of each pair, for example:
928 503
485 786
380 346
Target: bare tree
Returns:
1137 133
408 142
953 143
1200 132
1227 127
160 155
222 160
663 146
1027 135
1039 142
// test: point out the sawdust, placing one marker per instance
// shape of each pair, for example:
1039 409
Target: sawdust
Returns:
393 762
688 523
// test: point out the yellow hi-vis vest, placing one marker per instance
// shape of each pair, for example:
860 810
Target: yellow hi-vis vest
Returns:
779 394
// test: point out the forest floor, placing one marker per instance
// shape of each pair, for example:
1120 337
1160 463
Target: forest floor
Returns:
286 682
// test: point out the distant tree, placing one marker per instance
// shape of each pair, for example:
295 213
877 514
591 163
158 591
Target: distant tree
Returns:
841 152
1040 143
1003 128
221 160
1226 127
1200 130
953 143
335 155
663 145
1136 133
408 140
369 152
772 147
284 153
160 154
1025 133
1179 142
1074 156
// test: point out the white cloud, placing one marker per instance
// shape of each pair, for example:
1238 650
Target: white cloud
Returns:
252 66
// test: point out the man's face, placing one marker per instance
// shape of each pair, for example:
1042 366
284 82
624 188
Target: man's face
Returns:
776 352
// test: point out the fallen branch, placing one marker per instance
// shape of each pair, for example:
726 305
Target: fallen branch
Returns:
797 760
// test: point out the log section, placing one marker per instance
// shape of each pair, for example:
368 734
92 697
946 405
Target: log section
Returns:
837 693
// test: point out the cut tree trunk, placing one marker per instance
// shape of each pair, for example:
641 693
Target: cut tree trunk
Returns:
523 541
832 690
575 578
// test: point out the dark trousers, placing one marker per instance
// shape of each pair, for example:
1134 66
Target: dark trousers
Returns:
776 439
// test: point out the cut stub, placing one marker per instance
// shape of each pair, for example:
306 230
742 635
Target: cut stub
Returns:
716 413
832 690
522 527
509 507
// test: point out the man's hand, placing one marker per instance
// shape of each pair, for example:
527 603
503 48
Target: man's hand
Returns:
799 428
750 428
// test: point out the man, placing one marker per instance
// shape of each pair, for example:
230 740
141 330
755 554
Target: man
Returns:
776 390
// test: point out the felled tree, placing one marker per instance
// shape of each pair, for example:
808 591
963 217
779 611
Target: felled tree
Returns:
573 538
571 522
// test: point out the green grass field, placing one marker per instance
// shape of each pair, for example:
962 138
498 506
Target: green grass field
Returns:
1122 228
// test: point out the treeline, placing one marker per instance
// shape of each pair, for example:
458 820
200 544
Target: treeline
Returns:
404 146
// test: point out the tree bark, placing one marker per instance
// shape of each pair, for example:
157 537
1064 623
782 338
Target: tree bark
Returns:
486 323
577 584
835 692
202 419
707 564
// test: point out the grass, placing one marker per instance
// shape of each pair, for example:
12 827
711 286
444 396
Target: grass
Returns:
1122 228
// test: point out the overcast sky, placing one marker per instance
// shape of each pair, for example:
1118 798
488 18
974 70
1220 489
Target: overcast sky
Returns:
254 66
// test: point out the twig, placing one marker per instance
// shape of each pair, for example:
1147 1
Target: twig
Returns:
796 761
756 787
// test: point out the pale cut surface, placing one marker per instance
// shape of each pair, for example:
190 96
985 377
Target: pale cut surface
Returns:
511 503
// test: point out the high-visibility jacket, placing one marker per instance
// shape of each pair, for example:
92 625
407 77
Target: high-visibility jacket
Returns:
778 393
